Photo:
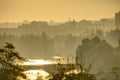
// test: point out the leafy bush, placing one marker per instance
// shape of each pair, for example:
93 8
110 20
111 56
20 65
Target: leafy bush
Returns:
9 69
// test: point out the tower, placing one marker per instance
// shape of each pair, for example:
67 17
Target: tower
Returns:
117 20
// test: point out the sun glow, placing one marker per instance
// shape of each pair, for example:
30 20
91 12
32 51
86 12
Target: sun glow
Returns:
58 57
34 74
37 62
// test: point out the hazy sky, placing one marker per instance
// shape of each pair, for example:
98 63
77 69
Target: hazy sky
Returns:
57 10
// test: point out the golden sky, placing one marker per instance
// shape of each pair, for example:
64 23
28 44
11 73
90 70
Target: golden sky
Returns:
57 10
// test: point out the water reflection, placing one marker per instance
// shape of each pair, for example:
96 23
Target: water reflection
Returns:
34 74
37 62
41 74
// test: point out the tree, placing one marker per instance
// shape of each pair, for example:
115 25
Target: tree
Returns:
67 73
9 69
119 42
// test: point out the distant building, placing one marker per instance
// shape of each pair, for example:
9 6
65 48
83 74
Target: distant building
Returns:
104 20
117 20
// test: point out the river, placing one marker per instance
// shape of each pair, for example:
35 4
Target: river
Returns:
40 73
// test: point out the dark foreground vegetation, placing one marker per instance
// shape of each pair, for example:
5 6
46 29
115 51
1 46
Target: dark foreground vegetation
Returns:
86 64
9 70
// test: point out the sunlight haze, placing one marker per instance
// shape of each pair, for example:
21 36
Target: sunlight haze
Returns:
58 10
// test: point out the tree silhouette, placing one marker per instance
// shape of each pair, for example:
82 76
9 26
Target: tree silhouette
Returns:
9 69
